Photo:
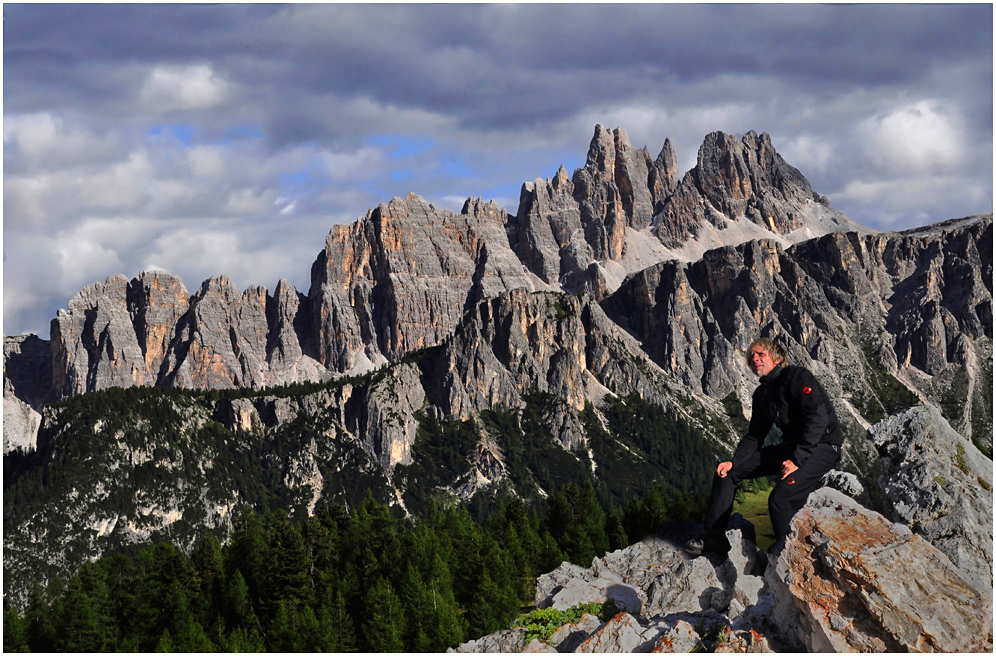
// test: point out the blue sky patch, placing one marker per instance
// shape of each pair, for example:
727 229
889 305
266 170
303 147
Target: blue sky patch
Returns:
179 131
399 146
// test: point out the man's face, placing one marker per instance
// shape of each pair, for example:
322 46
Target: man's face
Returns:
762 361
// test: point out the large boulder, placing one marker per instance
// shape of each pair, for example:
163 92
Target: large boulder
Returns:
848 579
938 483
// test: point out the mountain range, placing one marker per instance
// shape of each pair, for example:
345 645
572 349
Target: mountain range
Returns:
596 334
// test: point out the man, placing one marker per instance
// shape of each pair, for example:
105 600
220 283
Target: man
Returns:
791 398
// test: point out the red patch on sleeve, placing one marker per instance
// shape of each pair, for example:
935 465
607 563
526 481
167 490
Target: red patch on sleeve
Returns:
807 390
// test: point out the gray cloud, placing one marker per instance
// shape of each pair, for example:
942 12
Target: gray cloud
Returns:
208 139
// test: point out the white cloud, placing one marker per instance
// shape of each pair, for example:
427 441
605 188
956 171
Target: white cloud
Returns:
48 141
170 88
910 200
207 162
356 164
808 153
121 186
196 253
924 136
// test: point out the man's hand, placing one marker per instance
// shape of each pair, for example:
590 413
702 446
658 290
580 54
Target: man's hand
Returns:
724 469
787 468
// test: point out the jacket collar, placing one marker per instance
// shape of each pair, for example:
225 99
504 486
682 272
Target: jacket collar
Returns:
773 375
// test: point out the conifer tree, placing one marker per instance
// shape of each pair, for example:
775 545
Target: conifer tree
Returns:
236 602
208 566
38 618
247 549
384 623
15 635
287 572
340 625
165 643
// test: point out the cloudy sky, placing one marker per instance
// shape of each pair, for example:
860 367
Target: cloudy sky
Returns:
228 139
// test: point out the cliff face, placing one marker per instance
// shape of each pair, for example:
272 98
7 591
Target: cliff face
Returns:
150 331
400 279
27 387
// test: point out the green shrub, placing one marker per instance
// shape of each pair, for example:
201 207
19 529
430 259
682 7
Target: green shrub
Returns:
960 459
544 622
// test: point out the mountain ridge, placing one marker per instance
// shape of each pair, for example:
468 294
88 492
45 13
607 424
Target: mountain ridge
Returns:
399 278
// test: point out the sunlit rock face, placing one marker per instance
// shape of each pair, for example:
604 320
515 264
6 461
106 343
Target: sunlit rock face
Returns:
400 279
850 580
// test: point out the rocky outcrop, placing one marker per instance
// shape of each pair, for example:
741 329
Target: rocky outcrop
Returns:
850 580
860 311
27 387
94 342
623 210
547 234
616 190
846 579
937 482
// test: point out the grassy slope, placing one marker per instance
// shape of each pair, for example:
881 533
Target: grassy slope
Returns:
755 510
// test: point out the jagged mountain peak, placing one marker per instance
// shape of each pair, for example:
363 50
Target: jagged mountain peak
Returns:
399 278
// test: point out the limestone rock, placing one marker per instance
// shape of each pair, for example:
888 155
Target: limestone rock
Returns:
743 186
679 639
27 387
570 636
653 577
612 192
940 485
620 635
547 233
290 351
845 482
400 278
743 642
20 425
156 301
390 416
150 331
221 342
522 342
94 343
850 580
502 642
537 646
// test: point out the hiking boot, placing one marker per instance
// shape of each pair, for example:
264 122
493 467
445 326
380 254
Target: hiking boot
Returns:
710 543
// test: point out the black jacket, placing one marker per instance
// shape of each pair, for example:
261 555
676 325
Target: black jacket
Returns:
794 400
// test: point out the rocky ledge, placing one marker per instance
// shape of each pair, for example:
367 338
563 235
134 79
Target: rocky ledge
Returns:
846 579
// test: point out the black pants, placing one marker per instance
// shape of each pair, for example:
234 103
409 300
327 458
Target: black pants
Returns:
789 494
